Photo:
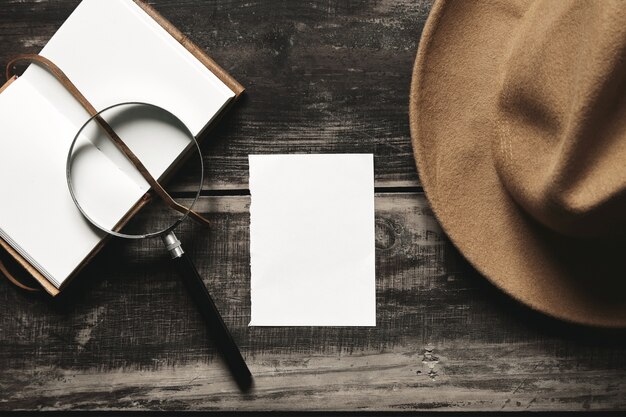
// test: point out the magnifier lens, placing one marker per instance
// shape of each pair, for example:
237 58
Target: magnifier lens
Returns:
110 190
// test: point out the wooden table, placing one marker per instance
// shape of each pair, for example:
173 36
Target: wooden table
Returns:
321 76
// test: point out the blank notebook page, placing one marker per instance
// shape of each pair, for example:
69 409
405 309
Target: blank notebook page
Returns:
119 54
37 215
114 52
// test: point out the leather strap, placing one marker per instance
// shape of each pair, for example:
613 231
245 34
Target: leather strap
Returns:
14 280
65 81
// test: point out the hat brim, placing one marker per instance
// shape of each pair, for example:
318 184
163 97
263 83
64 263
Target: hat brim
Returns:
452 103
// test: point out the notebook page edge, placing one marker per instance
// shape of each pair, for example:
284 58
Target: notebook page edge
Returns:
180 49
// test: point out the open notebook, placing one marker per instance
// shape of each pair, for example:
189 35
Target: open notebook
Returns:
113 51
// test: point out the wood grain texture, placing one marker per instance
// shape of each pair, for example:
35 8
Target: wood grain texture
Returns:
126 337
321 76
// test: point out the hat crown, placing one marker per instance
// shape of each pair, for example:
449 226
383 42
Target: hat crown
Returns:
560 150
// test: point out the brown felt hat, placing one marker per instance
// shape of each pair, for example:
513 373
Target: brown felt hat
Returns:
518 120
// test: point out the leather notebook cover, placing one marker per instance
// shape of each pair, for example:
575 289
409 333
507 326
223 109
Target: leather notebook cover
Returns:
226 78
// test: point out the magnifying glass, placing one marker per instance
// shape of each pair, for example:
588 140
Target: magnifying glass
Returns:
118 167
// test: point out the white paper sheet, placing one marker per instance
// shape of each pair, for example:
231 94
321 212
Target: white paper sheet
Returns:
312 240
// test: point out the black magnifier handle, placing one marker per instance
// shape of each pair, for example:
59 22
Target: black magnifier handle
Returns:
217 328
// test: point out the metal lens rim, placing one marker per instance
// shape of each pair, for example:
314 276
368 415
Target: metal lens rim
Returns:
68 174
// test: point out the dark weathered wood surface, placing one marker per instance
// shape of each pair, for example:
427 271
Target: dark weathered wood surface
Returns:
445 340
322 76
